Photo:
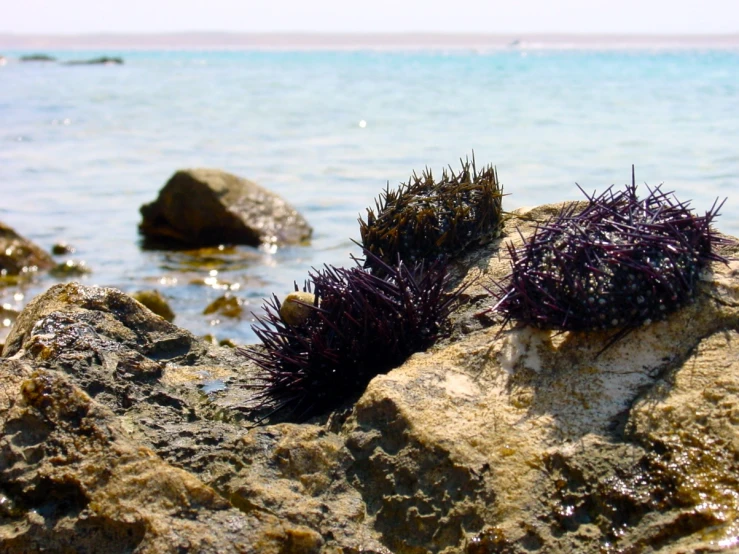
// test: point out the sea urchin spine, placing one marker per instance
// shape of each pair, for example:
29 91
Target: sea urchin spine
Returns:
360 325
619 263
425 219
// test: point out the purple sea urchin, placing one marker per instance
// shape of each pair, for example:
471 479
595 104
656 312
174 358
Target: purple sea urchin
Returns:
360 325
619 263
426 219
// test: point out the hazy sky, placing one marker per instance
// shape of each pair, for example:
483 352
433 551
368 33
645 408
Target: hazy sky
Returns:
494 16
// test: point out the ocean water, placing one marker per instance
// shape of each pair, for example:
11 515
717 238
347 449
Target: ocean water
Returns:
84 146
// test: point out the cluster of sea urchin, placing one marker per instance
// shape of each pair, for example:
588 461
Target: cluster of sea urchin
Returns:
357 326
426 219
619 263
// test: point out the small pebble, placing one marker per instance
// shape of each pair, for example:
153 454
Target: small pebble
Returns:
293 310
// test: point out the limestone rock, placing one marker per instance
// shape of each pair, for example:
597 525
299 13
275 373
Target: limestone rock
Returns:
182 400
200 207
519 440
495 440
73 480
18 255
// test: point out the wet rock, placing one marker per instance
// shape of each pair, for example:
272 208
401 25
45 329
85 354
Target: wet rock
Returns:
70 268
74 480
180 404
19 256
514 440
199 207
37 58
62 249
155 301
226 305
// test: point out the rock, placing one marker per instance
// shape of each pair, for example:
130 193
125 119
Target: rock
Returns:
494 440
20 256
522 440
74 480
226 305
62 248
155 301
70 268
294 309
37 58
200 207
104 60
163 402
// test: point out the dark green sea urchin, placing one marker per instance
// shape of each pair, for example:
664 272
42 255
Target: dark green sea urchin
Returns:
425 219
621 262
360 325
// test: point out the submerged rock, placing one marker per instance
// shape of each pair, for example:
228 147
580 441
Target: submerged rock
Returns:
226 305
62 249
199 207
19 255
155 301
70 268
119 431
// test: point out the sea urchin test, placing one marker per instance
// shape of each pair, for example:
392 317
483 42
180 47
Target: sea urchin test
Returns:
426 219
355 325
621 262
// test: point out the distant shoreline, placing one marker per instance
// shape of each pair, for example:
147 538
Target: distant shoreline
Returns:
362 41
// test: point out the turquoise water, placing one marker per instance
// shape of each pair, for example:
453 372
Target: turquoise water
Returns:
83 147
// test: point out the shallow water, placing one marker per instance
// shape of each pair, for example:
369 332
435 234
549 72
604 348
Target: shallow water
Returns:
84 146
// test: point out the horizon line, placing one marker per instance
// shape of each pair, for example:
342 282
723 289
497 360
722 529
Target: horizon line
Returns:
364 39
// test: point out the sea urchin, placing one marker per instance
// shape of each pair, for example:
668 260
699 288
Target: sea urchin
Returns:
426 219
619 263
360 325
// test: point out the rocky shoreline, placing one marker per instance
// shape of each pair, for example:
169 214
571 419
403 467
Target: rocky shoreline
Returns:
122 432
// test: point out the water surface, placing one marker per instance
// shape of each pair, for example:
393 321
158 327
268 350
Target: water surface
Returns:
84 146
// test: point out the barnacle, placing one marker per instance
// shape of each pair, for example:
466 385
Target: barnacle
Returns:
360 324
425 219
621 262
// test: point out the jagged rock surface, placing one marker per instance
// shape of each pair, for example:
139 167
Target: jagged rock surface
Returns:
200 207
512 441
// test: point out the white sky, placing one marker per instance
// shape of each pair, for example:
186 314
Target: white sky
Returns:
491 16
